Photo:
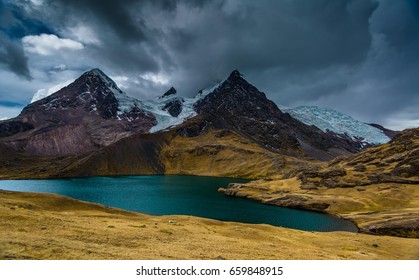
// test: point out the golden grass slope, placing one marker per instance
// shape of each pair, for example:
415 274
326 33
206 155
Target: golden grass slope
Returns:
44 226
378 189
223 153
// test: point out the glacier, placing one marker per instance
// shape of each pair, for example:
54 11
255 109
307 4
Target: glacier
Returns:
331 120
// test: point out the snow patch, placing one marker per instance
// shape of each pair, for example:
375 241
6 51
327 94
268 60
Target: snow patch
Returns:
164 119
203 93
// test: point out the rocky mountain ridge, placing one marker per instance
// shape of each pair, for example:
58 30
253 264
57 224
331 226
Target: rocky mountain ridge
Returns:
241 106
92 113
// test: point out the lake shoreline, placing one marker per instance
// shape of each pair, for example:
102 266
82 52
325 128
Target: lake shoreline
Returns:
376 209
184 195
48 226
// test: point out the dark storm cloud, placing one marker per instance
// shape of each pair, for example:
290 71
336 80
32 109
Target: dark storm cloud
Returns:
16 22
208 39
260 37
13 25
358 56
400 31
116 15
388 80
10 104
126 43
13 57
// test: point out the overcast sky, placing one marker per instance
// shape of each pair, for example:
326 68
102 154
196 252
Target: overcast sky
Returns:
360 57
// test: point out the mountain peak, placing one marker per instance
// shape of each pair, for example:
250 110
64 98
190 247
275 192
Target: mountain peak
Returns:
235 75
97 73
170 92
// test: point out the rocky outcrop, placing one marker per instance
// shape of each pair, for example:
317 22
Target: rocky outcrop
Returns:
11 127
174 107
298 202
173 104
172 91
405 230
390 133
395 162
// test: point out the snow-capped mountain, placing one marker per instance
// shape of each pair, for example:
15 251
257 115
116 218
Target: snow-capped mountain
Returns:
329 120
238 105
95 93
169 109
90 113
93 112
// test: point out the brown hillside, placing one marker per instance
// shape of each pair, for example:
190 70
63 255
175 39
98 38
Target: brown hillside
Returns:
377 188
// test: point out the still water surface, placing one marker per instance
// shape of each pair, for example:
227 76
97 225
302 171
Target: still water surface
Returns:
180 195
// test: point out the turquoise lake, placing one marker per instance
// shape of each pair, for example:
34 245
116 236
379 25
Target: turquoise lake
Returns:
180 195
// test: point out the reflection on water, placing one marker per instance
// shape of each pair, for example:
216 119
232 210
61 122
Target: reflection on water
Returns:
180 195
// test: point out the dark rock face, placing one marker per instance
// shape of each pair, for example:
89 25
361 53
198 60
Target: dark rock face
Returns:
237 97
175 104
93 92
174 107
137 116
170 92
89 92
242 106
239 105
353 145
407 231
388 132
298 202
10 127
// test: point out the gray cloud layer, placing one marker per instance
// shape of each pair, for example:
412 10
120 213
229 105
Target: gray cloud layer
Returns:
11 54
357 56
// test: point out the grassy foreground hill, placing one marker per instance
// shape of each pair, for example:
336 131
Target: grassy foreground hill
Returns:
47 226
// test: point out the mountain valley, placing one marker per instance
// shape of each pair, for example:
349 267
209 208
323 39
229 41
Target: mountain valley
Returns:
308 158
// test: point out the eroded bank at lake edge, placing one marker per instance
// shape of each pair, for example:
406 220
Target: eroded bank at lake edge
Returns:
47 226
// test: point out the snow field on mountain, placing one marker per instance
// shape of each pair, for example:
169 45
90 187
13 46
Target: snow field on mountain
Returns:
328 119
